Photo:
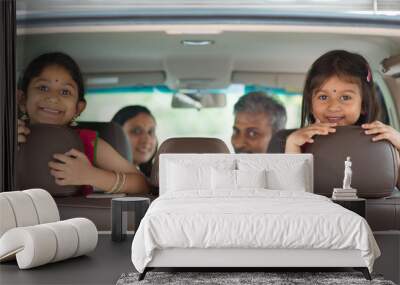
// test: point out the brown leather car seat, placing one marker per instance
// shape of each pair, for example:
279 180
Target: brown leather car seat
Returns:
33 157
113 134
374 164
186 145
33 171
278 141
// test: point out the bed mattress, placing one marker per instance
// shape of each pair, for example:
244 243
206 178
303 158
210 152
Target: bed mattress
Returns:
250 219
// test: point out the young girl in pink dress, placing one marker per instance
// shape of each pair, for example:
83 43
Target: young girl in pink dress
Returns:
51 91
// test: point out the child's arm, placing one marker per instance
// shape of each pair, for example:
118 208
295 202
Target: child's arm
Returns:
22 131
305 135
74 168
109 160
380 131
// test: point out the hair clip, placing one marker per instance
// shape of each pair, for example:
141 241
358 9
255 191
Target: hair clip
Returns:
369 75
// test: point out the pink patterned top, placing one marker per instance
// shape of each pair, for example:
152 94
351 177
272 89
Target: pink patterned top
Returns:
89 139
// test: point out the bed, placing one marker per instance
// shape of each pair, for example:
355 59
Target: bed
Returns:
225 210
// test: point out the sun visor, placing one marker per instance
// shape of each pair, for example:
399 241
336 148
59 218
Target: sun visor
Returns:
199 72
146 78
290 81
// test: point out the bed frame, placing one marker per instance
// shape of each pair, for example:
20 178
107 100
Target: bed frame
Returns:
256 258
242 258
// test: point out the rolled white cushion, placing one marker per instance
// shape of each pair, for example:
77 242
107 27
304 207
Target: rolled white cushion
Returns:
87 235
45 205
67 240
26 208
7 218
41 244
23 208
34 245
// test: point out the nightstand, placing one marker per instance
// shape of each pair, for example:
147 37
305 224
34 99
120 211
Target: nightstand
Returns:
355 205
119 207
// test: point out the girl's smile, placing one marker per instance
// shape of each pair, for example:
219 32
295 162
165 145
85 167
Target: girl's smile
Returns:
337 101
52 97
50 111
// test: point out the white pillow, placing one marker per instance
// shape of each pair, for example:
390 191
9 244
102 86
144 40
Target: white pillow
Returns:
251 178
293 179
184 177
223 179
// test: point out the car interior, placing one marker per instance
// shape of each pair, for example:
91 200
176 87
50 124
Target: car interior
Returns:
189 62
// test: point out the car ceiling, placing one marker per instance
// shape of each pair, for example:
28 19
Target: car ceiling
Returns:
238 49
121 52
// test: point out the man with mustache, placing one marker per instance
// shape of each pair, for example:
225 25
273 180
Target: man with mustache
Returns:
257 118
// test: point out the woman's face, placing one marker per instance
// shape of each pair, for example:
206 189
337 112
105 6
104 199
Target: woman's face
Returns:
141 131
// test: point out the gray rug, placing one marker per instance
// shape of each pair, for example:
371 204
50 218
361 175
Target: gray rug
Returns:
270 278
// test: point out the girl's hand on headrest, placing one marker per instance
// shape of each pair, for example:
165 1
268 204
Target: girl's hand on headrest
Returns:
305 135
71 168
22 131
380 131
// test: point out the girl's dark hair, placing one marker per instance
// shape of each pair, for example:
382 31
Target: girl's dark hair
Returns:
36 67
130 112
348 66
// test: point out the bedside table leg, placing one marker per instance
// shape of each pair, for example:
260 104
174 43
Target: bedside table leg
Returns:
117 222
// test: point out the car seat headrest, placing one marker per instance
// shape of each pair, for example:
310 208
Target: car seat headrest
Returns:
374 164
34 155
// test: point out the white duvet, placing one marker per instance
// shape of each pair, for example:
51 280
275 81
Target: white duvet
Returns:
253 218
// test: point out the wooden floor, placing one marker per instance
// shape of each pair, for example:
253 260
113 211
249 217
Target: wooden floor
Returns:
110 259
102 266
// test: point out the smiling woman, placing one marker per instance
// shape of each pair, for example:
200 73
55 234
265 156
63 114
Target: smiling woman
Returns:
140 127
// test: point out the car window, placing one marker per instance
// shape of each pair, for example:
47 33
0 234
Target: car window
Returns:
102 104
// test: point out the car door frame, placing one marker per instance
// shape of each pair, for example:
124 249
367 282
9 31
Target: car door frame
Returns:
8 104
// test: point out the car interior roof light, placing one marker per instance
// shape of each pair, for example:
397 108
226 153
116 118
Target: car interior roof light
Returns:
197 42
193 32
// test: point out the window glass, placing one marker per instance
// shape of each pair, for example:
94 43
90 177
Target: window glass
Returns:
102 104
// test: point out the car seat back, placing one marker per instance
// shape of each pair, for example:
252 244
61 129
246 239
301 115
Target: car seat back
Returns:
34 155
374 164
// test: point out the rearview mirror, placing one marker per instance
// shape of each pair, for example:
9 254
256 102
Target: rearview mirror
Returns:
198 99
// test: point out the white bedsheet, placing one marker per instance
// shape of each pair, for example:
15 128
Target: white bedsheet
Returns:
253 218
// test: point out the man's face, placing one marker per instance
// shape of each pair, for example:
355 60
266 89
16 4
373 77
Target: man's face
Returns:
251 133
